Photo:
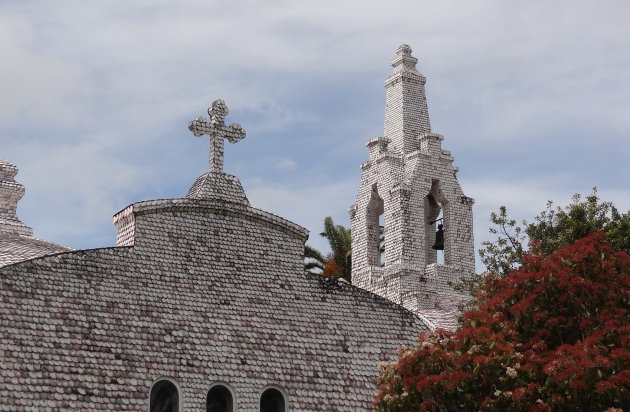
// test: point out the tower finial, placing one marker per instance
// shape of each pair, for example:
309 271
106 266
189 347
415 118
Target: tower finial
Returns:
10 194
404 61
404 49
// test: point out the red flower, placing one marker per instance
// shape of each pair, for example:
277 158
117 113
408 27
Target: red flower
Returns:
553 334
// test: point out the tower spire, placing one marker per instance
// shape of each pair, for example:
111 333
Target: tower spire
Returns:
406 112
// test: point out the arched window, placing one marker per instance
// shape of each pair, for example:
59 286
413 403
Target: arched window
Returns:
164 397
219 399
272 400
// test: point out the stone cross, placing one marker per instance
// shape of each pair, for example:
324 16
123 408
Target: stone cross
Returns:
217 130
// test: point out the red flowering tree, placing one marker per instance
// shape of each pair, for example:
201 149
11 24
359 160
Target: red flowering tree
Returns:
552 335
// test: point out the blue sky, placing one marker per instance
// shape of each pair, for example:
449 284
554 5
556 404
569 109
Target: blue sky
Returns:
533 99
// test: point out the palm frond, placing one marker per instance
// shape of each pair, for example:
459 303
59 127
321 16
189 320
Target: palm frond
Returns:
312 253
313 265
340 243
314 261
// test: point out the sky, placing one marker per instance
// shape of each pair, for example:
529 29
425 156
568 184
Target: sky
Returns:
533 99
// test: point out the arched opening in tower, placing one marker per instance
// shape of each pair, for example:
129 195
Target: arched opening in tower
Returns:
381 238
435 227
376 229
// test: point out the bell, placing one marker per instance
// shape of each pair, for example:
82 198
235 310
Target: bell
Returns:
439 238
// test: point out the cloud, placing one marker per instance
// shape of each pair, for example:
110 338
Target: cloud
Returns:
272 116
307 206
532 99
37 89
73 190
286 164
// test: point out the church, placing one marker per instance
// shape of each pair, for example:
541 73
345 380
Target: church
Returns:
203 302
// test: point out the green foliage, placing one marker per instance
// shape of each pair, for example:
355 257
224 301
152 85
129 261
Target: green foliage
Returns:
504 254
553 335
556 228
337 263
552 229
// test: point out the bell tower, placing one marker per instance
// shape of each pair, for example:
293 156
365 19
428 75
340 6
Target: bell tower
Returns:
408 189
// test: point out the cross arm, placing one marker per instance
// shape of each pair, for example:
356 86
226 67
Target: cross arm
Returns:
200 126
234 132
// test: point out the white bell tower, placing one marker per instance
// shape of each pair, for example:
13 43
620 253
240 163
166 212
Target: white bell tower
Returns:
408 187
